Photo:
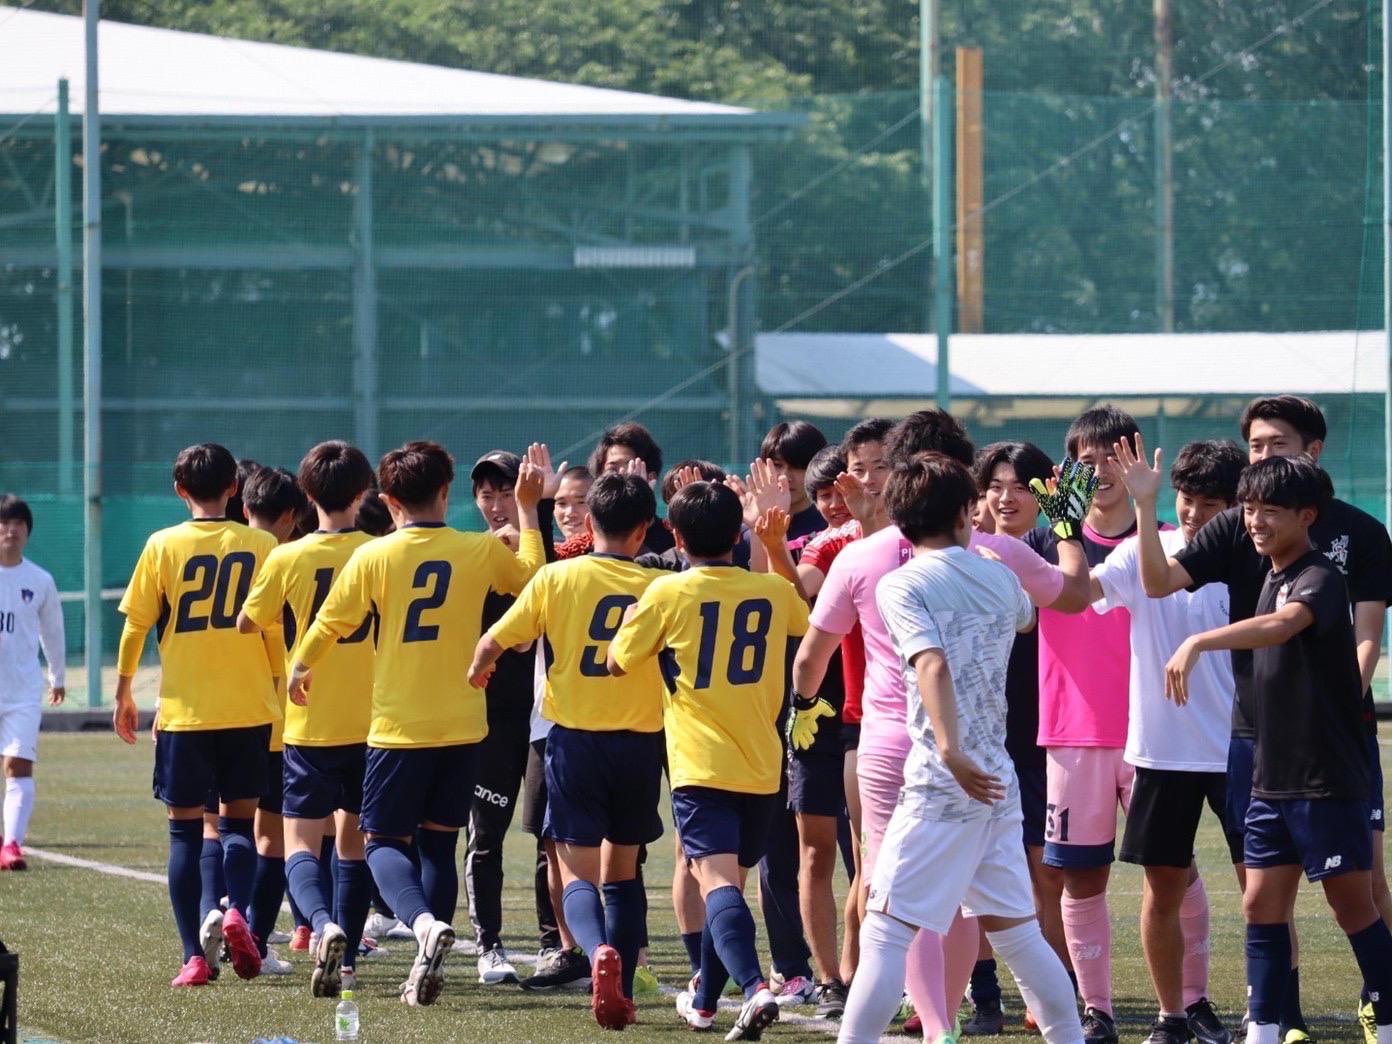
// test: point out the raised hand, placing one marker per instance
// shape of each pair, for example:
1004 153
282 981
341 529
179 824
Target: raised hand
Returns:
637 467
1141 480
1066 497
771 527
770 489
748 501
860 502
530 482
684 476
539 454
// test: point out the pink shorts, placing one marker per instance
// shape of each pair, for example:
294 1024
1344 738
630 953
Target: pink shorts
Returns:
880 777
1085 786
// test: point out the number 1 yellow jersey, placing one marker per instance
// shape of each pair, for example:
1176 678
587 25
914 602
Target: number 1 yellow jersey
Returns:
427 585
189 584
721 636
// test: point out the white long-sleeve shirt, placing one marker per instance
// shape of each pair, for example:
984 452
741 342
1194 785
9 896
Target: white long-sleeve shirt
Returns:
31 618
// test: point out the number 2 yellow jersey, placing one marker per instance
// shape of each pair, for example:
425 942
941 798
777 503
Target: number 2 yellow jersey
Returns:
292 585
578 605
189 584
427 585
721 635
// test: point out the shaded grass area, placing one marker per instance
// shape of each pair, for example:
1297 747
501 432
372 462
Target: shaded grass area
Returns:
97 951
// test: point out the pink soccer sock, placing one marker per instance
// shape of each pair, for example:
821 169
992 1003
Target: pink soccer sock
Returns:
1087 925
960 948
923 979
1193 920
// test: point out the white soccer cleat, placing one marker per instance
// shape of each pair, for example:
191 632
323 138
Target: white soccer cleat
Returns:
758 1014
210 938
494 968
380 926
427 976
327 979
694 1017
797 990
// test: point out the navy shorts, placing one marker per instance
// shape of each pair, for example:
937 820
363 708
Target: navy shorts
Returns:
817 782
210 803
273 797
1375 799
1241 758
721 822
1034 801
406 786
1326 836
850 736
603 786
321 780
228 762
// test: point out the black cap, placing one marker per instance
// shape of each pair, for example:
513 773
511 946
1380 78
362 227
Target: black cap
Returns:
497 464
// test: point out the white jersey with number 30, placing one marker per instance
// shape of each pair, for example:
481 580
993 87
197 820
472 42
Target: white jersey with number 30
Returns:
30 618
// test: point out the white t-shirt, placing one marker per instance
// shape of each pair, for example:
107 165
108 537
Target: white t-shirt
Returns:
31 618
969 608
1192 738
541 726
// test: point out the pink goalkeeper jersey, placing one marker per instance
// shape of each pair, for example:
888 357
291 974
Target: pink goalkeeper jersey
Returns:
848 596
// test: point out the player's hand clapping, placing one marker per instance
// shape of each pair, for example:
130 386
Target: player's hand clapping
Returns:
771 527
530 482
539 453
1141 480
860 502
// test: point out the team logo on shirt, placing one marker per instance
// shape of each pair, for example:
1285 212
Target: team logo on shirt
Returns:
1282 593
1338 552
25 595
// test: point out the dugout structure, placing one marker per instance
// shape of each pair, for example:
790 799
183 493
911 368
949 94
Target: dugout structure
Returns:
301 245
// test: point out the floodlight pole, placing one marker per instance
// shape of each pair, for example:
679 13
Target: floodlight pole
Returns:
62 231
935 130
91 358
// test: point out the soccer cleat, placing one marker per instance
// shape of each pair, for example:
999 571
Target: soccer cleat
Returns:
758 1014
427 976
299 939
12 857
695 1018
1205 1026
1368 1021
1031 1024
1297 1036
193 973
607 998
831 999
645 983
1098 1027
494 968
913 1026
797 990
557 968
348 979
1169 1031
271 964
988 1020
380 926
327 979
210 938
246 962
277 938
368 950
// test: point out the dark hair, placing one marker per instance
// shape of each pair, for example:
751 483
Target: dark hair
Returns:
935 431
1098 428
619 504
925 496
1301 414
873 430
1026 459
708 517
577 471
236 509
415 473
334 473
795 443
1288 482
206 471
633 436
708 471
823 469
12 508
271 492
1209 468
373 516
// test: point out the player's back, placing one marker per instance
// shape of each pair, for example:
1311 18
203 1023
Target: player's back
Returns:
189 584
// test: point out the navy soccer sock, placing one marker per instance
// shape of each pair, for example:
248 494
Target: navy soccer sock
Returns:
1268 970
439 875
584 913
732 928
626 924
985 986
398 878
713 972
692 942
1372 948
307 889
185 844
352 897
238 862
328 854
1292 1017
214 886
267 890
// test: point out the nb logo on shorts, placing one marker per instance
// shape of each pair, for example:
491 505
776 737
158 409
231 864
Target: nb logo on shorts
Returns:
1334 862
1377 815
493 798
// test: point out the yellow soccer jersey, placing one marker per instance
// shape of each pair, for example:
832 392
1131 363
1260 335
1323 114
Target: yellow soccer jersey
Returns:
578 604
293 585
274 641
427 584
721 636
189 584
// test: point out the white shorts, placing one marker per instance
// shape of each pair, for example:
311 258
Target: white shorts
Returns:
19 730
979 866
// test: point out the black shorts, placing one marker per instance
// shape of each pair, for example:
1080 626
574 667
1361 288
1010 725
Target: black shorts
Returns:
1034 801
1163 820
534 789
850 735
817 782
405 787
1375 799
321 780
273 797
228 762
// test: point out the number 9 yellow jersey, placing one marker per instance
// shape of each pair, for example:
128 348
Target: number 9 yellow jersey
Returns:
189 584
426 583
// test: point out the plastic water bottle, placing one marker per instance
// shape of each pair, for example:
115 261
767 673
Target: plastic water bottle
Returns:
346 1018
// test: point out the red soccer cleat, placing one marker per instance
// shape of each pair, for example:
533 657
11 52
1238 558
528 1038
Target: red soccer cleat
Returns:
194 973
246 962
12 858
913 1026
299 940
609 1004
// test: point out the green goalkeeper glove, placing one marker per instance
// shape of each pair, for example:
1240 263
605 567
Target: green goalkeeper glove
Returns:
802 722
1067 505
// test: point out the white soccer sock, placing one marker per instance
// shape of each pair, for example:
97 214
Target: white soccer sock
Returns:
1043 982
19 804
1264 1033
1384 1034
878 985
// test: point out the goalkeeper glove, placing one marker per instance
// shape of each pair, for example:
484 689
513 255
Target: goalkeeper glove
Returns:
802 722
1066 506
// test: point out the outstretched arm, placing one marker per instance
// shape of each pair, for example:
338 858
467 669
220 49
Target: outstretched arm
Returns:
1161 575
1257 633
